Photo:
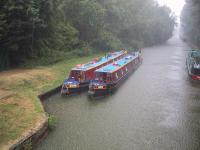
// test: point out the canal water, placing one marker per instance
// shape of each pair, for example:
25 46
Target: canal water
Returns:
157 108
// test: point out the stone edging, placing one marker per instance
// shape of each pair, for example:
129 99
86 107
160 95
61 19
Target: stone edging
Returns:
35 135
46 95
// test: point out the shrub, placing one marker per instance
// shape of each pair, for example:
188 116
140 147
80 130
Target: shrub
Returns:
107 41
52 122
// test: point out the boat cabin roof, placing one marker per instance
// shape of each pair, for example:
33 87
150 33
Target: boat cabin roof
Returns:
96 63
118 64
195 53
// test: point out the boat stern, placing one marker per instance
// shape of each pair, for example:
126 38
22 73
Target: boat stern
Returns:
97 88
70 86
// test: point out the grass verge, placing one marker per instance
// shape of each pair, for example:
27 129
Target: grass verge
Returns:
20 108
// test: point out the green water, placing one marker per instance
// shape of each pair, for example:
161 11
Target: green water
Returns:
157 108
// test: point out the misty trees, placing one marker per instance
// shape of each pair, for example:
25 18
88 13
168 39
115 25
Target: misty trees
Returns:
190 19
115 24
45 28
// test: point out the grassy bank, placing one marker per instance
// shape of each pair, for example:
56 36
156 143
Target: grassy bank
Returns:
20 108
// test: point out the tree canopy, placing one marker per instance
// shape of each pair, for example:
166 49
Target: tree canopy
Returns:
31 29
190 19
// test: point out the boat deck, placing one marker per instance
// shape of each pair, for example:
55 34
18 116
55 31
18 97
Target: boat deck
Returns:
118 64
101 61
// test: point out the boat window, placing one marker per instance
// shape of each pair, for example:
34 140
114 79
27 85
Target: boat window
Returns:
104 78
97 75
108 78
82 75
116 76
101 76
76 74
126 69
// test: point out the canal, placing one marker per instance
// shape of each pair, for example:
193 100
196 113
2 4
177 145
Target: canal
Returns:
157 108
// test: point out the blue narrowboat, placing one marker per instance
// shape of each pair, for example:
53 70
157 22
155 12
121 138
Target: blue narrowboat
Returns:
110 77
80 76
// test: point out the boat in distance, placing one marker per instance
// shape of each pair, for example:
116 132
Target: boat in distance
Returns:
193 65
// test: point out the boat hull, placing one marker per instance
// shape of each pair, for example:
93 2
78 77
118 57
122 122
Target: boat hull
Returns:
69 91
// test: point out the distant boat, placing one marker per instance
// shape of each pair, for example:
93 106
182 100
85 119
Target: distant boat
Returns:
193 65
110 77
81 75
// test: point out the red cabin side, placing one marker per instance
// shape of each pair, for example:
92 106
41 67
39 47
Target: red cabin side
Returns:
84 76
116 75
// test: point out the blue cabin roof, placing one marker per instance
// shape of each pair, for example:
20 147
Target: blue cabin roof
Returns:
101 61
118 64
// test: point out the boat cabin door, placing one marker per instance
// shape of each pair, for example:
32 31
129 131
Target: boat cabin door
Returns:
108 78
82 76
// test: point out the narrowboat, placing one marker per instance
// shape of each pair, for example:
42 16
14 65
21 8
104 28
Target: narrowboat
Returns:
193 65
80 76
110 77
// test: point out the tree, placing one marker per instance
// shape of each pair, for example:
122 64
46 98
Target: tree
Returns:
190 19
32 29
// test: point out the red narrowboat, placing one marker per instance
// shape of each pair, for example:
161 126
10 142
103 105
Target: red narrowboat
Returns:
80 76
110 77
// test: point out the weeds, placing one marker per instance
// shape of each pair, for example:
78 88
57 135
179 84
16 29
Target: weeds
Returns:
28 145
52 122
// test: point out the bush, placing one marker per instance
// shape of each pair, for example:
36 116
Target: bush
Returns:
28 145
52 122
48 59
66 37
84 50
107 41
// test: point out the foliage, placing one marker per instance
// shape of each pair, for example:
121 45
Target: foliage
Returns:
51 29
28 145
52 122
190 19
23 111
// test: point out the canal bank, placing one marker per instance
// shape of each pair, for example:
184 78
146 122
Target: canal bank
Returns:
156 108
30 139
21 112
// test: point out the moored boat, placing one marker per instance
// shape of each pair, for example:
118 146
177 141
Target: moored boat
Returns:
110 77
193 65
80 76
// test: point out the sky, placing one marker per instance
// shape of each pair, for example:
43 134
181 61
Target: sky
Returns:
175 5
